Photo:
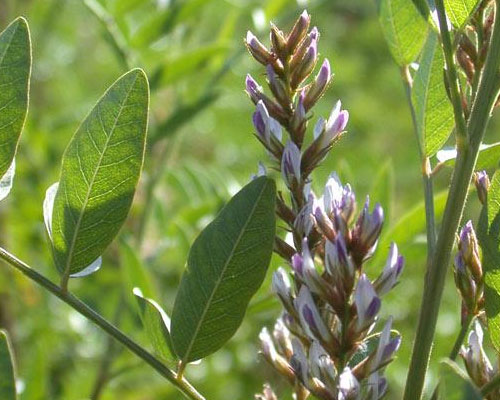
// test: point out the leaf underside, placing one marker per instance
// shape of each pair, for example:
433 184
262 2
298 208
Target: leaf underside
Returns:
99 174
226 265
15 69
459 11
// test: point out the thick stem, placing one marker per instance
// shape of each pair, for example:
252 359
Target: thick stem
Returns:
183 385
464 167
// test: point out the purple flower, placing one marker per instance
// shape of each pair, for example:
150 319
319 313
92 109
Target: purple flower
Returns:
367 303
299 362
332 194
476 361
290 164
367 230
338 263
336 123
317 88
304 221
387 346
253 89
299 31
257 49
482 182
310 276
392 270
266 125
322 366
469 251
310 319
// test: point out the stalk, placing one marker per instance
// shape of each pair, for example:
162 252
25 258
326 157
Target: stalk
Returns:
182 384
467 149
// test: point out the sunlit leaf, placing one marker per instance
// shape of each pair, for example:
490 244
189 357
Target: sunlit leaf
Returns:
458 11
7 376
488 157
489 238
404 29
433 109
226 265
455 385
157 326
99 173
135 274
15 69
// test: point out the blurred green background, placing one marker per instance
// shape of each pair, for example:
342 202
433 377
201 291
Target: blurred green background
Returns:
201 150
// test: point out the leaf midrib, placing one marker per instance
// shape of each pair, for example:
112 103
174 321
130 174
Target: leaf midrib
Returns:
9 42
91 183
219 280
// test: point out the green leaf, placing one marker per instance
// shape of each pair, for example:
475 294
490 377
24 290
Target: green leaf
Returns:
135 274
157 325
459 11
15 70
433 110
404 29
99 174
489 238
226 265
488 157
7 375
455 385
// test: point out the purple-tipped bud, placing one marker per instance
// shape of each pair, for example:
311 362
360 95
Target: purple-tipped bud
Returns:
319 128
310 319
282 338
268 129
476 361
278 41
298 265
367 303
290 164
482 182
366 231
267 345
277 87
392 270
349 386
282 287
319 85
311 277
298 31
253 89
257 49
299 115
332 194
469 251
304 221
336 122
387 346
323 222
339 264
306 65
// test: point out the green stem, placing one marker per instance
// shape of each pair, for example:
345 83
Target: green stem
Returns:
426 167
461 337
183 385
451 74
464 167
491 386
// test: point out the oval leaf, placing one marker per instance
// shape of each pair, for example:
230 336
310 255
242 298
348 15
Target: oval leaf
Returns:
404 29
433 110
489 238
459 11
226 265
99 173
7 376
157 326
455 385
488 157
15 70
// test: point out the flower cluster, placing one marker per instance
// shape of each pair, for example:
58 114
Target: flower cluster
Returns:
323 343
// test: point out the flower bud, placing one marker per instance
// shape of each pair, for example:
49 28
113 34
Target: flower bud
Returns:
339 264
253 89
268 129
258 50
321 365
323 223
349 386
310 319
392 270
304 221
366 232
476 361
367 303
283 339
299 120
282 287
306 65
387 346
298 32
290 164
278 41
270 353
277 87
336 122
469 251
267 394
482 182
299 362
299 53
318 87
